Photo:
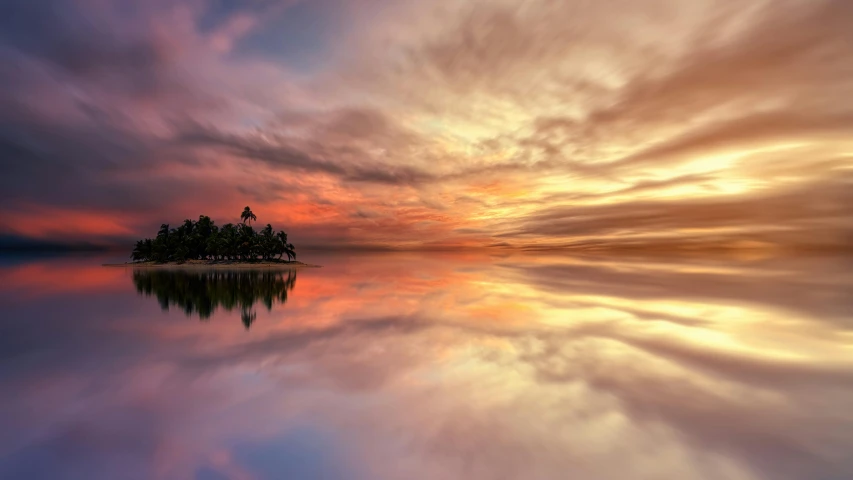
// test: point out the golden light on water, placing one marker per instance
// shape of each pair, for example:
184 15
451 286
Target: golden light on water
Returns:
615 239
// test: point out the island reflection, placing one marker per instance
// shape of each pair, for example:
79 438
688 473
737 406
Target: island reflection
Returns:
451 365
201 293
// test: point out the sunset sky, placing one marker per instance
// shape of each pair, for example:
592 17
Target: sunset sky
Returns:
412 123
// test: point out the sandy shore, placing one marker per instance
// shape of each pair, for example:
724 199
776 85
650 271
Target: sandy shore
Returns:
193 264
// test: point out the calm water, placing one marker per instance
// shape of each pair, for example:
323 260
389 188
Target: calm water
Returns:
404 366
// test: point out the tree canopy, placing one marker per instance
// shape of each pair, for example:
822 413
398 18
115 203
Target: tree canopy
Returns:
248 215
204 240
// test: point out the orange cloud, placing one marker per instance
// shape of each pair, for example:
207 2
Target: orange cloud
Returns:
61 224
451 124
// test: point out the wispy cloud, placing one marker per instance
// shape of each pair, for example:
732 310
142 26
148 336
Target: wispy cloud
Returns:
437 118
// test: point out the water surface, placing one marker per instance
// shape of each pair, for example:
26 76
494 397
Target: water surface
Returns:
430 366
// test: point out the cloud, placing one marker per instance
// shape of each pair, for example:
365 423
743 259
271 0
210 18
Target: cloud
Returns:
634 277
497 115
751 435
573 363
80 41
786 216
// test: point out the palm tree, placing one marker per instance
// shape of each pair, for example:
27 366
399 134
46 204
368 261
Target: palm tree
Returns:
139 253
282 245
212 245
247 215
230 240
248 240
164 230
267 242
205 240
290 251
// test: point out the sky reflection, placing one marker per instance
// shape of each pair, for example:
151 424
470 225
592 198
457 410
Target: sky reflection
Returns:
416 366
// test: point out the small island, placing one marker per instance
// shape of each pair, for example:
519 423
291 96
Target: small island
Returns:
204 244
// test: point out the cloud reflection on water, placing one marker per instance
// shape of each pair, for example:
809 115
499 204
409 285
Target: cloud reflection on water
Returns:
445 366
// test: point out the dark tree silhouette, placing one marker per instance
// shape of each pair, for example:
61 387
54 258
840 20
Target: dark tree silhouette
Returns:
247 216
248 317
204 240
202 293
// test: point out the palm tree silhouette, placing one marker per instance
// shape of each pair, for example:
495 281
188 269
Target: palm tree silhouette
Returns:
247 215
204 240
284 248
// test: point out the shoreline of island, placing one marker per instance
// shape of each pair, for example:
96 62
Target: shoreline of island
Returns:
216 264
